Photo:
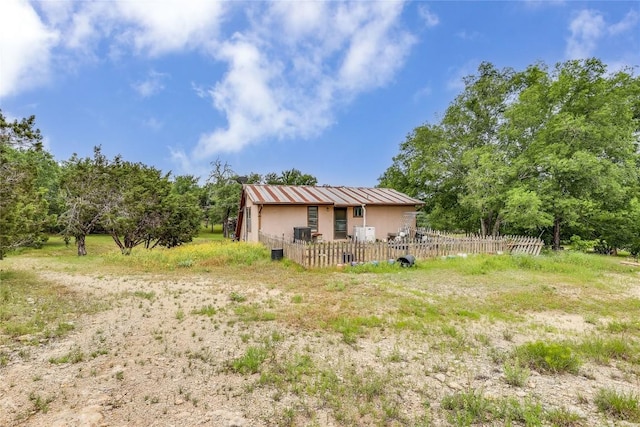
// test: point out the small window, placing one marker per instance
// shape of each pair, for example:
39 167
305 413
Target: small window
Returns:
248 219
312 218
357 212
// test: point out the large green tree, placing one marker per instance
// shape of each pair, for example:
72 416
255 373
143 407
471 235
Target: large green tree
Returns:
88 194
23 195
532 151
573 131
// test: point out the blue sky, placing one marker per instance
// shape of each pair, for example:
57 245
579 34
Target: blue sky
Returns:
330 88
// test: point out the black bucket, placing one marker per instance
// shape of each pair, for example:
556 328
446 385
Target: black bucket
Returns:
407 261
277 254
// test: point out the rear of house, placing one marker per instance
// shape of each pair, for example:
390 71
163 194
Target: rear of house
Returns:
323 213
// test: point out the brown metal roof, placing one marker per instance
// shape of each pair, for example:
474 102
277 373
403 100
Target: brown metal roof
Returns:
262 194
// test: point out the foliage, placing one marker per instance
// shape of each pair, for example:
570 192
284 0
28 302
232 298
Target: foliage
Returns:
24 190
290 177
133 202
550 152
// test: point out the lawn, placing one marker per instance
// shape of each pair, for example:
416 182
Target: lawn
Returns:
219 330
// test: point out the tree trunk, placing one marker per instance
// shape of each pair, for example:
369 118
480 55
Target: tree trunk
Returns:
556 234
80 243
483 227
496 227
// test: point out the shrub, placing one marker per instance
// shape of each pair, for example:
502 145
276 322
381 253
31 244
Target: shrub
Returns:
549 358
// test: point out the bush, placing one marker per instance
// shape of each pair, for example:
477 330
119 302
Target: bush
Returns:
548 358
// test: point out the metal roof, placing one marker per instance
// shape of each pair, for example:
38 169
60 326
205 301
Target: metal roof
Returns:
262 194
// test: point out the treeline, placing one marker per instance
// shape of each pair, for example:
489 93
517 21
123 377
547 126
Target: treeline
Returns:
135 203
545 152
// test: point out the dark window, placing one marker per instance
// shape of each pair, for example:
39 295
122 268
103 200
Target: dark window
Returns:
357 211
248 219
312 218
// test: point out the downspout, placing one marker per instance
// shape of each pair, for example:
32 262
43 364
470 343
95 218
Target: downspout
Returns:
364 215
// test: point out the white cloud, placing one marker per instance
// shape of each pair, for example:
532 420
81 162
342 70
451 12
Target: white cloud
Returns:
430 19
628 23
169 25
297 63
25 44
288 68
152 85
586 28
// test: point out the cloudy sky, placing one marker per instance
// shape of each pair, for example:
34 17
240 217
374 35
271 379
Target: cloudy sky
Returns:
330 88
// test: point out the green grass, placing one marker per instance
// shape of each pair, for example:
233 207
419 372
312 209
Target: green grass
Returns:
207 310
553 358
621 406
423 318
251 361
30 306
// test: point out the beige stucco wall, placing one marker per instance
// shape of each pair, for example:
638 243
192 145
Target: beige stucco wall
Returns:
279 220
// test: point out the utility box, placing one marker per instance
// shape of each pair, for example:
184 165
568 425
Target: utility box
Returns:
301 234
364 234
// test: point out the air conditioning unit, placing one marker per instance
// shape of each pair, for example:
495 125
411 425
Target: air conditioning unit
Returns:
364 234
301 234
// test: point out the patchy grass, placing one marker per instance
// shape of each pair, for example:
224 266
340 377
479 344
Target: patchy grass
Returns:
381 333
621 406
33 309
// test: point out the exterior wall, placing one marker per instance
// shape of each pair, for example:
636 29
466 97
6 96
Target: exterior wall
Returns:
279 220
386 219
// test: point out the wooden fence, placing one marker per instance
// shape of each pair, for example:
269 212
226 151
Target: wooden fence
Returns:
325 254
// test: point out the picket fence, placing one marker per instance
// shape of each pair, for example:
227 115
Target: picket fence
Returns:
432 245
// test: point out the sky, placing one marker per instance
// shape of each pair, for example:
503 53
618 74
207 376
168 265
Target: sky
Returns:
329 88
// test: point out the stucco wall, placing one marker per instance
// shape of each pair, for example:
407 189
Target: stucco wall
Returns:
279 220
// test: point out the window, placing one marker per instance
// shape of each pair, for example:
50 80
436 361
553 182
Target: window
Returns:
248 208
357 212
312 218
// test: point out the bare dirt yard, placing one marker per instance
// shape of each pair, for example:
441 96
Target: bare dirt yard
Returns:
481 342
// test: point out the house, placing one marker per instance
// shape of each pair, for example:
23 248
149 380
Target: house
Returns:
323 213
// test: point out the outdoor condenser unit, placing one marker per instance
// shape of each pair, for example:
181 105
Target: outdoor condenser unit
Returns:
364 234
301 234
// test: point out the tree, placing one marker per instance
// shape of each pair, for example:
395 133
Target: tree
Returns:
528 151
576 137
180 213
290 177
139 206
88 195
225 192
23 204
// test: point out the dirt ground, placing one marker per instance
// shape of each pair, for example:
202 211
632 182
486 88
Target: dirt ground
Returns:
147 360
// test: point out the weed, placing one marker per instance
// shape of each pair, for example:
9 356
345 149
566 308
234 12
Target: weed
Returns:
180 315
40 404
74 356
515 374
145 295
207 310
296 299
562 417
253 313
622 406
251 361
548 358
185 263
119 375
602 350
236 297
468 407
